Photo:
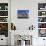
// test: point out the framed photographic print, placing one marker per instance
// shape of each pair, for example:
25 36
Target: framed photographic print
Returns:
41 6
42 32
4 29
3 13
41 25
22 13
3 19
41 19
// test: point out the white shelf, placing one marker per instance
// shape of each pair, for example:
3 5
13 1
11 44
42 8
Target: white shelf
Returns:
41 10
3 10
42 16
3 16
41 28
41 22
3 22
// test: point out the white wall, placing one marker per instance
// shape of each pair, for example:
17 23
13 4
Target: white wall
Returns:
32 5
23 24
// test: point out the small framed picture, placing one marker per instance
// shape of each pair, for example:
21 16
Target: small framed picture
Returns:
3 19
42 33
22 13
4 29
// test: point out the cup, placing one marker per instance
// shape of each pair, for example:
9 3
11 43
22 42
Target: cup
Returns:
0 7
6 7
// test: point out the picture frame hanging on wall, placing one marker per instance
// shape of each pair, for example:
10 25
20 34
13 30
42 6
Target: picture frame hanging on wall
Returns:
22 14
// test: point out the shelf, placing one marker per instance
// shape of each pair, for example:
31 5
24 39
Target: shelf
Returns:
41 10
41 22
3 10
3 16
42 16
4 19
3 22
41 19
41 28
